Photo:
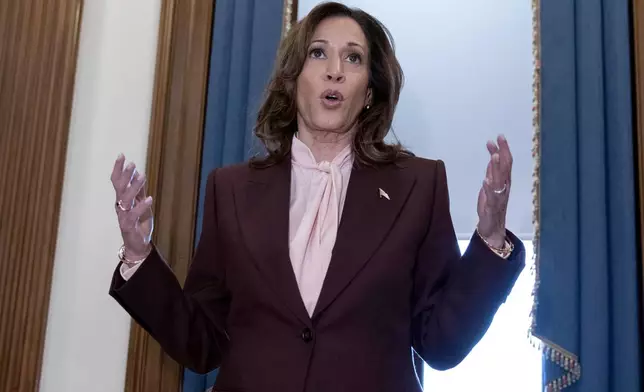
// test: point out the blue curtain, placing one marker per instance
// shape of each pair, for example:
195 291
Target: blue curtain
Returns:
588 294
246 35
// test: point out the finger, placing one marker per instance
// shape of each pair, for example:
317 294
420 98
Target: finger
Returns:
134 189
492 147
497 178
125 179
142 209
494 201
143 193
502 141
147 214
505 154
128 220
145 221
488 188
117 170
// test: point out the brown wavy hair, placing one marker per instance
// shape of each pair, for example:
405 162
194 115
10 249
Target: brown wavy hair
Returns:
277 117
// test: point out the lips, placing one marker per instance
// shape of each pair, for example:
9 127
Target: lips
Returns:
331 99
332 96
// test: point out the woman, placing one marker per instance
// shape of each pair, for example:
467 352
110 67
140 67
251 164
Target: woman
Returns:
322 264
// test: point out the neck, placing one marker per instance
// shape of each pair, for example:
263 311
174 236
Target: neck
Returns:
323 144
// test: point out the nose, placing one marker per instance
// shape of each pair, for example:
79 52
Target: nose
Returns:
336 76
334 71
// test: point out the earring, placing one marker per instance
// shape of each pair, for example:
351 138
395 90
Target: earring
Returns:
367 107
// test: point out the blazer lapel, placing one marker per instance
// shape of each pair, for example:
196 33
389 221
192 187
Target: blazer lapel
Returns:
374 199
263 211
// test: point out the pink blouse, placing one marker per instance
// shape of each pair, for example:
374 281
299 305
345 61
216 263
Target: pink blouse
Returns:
318 190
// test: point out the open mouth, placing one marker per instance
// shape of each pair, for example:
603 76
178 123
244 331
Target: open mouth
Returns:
332 96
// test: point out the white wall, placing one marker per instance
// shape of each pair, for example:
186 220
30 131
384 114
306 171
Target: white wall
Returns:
468 71
87 332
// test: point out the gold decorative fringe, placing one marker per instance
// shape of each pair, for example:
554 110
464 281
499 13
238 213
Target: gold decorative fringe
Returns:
288 17
567 361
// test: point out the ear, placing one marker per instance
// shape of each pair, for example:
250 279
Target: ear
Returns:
369 97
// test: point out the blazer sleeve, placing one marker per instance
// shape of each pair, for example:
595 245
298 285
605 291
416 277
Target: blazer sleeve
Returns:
456 297
188 323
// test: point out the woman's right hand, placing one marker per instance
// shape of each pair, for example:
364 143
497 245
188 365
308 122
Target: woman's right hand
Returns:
133 209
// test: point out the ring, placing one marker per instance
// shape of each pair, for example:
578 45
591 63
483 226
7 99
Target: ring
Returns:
119 204
499 191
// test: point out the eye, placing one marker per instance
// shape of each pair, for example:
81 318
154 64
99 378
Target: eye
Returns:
354 58
317 53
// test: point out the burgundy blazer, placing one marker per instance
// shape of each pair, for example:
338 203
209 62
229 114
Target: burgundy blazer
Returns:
396 281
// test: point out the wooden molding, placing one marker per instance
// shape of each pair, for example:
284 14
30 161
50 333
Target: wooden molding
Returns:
38 53
173 166
638 108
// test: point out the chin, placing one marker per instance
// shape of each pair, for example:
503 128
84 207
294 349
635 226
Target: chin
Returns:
333 129
329 125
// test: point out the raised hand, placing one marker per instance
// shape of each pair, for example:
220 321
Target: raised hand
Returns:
133 209
495 192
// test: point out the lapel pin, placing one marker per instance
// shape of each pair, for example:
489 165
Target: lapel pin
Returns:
383 194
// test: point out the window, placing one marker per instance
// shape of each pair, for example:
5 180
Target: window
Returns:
504 360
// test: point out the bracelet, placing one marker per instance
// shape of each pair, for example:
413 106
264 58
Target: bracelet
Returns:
504 252
123 259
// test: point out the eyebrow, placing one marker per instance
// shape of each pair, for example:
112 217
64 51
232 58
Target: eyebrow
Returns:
350 43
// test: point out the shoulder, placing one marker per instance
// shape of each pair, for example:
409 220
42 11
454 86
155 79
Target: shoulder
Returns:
422 166
244 172
429 175
228 176
231 173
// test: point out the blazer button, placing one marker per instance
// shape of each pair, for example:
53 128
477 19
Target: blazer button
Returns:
307 335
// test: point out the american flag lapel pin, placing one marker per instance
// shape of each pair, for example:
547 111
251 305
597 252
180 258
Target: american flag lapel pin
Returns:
383 194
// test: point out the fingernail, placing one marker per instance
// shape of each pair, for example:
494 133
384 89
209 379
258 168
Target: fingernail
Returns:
130 165
148 200
121 156
502 137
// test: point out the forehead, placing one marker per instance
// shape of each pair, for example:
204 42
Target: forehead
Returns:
339 30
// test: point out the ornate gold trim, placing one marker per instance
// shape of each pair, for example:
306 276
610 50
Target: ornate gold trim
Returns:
568 361
289 16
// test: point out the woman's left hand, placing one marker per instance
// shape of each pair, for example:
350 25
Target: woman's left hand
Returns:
495 193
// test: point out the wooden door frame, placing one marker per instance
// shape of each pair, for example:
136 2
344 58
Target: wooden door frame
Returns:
637 44
174 160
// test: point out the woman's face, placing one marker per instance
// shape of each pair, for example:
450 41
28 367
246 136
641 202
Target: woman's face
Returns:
332 88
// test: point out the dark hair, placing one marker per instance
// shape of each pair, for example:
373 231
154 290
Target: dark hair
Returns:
277 117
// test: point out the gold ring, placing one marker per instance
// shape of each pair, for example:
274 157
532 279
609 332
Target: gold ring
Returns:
499 191
120 203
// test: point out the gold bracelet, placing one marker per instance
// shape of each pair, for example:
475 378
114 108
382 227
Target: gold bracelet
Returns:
123 259
504 252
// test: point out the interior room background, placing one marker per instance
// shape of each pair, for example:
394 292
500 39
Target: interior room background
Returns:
174 85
